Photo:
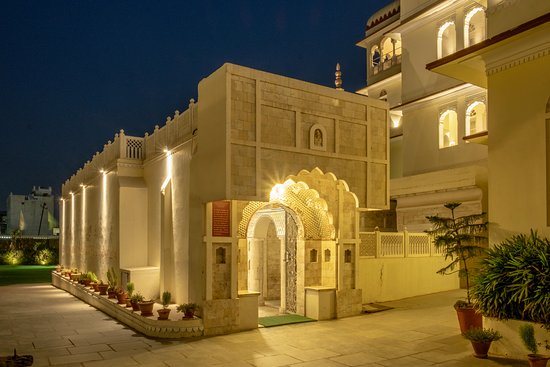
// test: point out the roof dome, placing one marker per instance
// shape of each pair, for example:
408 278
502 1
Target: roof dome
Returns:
383 14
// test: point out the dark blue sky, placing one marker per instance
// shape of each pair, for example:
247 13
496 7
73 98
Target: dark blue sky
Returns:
73 73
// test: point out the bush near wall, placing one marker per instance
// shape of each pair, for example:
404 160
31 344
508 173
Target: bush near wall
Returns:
29 251
514 281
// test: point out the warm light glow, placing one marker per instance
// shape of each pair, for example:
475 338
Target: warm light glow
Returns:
168 170
396 118
83 229
72 262
103 265
470 31
62 259
446 42
448 129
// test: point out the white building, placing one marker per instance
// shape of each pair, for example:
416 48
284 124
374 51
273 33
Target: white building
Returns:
438 124
254 194
30 213
451 71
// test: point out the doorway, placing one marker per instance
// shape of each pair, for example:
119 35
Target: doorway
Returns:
271 253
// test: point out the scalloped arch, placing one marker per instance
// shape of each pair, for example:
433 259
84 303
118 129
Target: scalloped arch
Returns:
311 209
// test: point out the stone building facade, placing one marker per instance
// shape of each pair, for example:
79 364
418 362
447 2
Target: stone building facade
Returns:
253 193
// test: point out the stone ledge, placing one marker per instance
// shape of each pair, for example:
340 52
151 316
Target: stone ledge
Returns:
149 326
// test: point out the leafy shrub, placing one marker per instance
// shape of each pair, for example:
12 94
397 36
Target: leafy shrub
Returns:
482 335
13 257
527 334
44 257
514 280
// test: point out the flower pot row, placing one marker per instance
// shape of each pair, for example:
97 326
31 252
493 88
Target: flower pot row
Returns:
127 298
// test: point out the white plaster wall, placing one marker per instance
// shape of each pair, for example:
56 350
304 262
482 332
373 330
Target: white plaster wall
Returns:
420 146
518 149
499 19
133 223
396 278
419 49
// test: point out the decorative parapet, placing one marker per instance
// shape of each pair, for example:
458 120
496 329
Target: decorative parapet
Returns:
396 244
130 148
177 130
135 150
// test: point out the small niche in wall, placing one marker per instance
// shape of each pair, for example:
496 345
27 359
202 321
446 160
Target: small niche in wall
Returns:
313 256
220 255
327 255
318 137
347 256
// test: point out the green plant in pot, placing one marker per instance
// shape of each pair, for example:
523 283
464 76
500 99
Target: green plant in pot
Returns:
130 291
135 299
146 307
188 310
121 296
527 334
481 340
513 280
459 238
164 312
112 280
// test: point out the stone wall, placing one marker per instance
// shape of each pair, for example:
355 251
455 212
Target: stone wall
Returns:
272 123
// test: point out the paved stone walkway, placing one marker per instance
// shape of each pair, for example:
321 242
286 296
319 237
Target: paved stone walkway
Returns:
60 330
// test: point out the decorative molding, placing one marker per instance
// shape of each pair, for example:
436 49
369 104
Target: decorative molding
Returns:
517 61
500 6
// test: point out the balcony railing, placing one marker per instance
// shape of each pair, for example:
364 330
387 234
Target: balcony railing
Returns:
396 244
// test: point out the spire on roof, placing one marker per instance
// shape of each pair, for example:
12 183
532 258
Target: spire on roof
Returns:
338 80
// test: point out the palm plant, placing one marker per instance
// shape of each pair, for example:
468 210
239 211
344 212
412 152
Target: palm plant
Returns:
458 238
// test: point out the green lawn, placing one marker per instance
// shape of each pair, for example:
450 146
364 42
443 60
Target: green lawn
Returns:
18 274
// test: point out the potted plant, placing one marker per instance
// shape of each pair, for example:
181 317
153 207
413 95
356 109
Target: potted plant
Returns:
93 280
129 291
146 307
188 310
458 238
481 340
164 312
135 300
513 280
121 296
112 280
102 287
527 334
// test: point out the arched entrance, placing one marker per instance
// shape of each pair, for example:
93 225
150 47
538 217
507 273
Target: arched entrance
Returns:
273 238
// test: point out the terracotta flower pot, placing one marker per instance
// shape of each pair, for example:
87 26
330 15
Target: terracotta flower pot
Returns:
537 360
129 303
135 306
146 308
103 289
163 313
468 318
111 293
121 298
481 349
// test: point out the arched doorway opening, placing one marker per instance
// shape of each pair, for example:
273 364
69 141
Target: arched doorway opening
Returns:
273 239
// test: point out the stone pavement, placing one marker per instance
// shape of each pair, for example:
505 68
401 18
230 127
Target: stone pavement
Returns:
60 330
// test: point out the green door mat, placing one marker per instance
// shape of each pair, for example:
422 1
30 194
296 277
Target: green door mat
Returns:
270 321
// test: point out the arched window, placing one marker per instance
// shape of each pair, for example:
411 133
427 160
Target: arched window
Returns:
387 50
474 27
448 129
446 39
375 56
476 118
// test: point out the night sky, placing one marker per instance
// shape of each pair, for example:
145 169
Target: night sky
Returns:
73 73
